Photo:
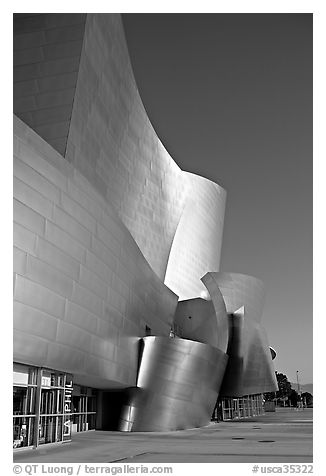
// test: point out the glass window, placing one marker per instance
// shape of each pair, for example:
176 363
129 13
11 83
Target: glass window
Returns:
47 420
20 401
84 409
59 429
24 400
23 431
75 404
51 401
50 429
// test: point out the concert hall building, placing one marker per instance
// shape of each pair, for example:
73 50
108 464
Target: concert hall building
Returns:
122 319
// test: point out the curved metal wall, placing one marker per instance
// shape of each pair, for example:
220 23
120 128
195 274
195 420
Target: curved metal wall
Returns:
106 134
112 142
196 247
223 324
178 384
250 369
195 319
97 232
47 49
241 290
83 291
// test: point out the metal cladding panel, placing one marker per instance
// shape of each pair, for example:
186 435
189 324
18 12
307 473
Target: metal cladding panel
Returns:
250 369
196 247
177 386
241 290
112 142
259 370
83 291
223 324
47 49
195 319
75 87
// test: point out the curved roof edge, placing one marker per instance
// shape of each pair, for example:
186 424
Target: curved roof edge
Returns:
201 177
171 155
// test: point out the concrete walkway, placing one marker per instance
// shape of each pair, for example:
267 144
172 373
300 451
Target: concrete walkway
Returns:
281 437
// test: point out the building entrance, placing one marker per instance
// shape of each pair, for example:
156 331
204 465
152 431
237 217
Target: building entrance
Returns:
41 406
112 405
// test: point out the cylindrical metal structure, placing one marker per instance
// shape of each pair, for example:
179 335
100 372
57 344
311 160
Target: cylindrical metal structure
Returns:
178 384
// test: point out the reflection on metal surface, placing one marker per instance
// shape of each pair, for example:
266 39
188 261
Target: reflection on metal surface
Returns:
177 386
196 246
47 49
113 143
222 320
195 319
82 286
241 290
107 238
250 369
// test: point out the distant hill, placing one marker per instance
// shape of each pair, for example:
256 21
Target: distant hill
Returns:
305 387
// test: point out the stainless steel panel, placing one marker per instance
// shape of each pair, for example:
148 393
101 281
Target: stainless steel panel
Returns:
46 61
112 142
196 246
98 296
223 324
241 290
203 321
195 319
177 385
126 217
250 369
176 218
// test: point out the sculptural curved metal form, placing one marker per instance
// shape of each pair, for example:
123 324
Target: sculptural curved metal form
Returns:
241 290
223 323
109 232
250 369
177 384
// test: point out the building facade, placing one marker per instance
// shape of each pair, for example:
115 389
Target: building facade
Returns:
121 317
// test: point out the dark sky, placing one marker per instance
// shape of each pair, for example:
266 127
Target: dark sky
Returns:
230 96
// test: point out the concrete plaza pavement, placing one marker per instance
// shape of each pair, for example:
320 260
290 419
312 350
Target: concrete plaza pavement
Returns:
281 437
